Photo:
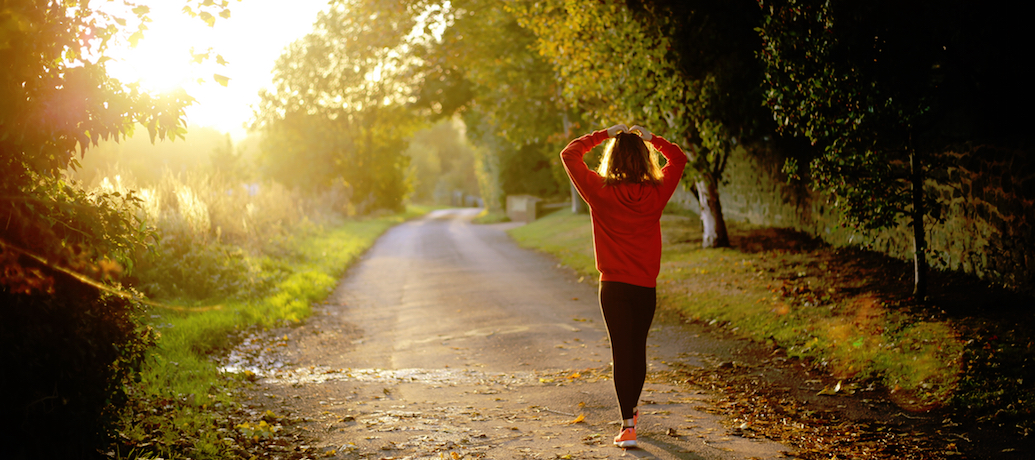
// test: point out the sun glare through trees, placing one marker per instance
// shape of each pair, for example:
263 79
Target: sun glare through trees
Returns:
222 65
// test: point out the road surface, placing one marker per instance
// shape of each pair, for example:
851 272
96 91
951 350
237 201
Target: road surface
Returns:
447 340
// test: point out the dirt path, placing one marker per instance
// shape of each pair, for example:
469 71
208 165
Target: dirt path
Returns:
449 341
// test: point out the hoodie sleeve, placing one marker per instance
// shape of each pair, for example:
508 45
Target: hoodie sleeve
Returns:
585 179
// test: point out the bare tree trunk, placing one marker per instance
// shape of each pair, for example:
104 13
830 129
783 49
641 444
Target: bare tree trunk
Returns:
578 205
715 235
916 176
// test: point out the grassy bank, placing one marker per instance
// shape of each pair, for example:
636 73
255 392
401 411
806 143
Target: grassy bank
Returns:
847 311
183 405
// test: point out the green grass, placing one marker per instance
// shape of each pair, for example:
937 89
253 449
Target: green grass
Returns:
785 298
566 236
486 217
183 404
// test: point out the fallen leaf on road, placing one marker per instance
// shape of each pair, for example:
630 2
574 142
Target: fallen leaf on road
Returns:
581 418
830 391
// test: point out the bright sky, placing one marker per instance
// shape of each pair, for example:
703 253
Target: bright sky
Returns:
251 41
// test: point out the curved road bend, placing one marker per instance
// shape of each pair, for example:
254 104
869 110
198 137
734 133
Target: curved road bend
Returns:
448 338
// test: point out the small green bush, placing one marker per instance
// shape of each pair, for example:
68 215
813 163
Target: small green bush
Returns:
187 270
65 358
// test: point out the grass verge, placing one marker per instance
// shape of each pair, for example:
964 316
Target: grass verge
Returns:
486 217
183 405
847 311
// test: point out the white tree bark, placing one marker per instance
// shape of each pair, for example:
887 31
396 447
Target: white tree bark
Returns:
715 235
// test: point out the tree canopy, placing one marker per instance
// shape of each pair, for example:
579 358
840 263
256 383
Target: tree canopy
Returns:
882 88
683 69
342 105
483 67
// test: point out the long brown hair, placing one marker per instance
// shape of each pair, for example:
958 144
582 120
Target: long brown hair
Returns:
628 159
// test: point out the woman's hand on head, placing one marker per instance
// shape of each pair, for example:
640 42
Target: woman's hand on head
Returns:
644 133
619 128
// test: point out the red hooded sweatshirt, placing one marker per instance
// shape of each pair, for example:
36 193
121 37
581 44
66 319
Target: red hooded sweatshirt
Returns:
626 216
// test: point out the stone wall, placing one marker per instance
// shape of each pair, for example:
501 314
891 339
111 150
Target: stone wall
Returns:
987 224
988 194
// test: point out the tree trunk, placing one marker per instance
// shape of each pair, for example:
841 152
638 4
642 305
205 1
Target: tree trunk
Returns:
715 235
707 186
919 235
578 205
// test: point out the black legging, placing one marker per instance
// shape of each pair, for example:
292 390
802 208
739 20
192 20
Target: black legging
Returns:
628 311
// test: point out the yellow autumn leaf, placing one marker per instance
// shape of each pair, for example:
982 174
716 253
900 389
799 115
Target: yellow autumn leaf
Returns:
581 418
830 391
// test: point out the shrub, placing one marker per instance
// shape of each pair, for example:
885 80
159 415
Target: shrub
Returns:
214 236
65 358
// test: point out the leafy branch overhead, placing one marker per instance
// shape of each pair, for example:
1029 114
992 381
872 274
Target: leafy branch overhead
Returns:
883 89
58 102
69 346
816 89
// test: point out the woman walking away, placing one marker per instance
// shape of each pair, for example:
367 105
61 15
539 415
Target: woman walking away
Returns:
626 196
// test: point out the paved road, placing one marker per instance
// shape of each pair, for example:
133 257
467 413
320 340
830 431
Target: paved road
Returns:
448 341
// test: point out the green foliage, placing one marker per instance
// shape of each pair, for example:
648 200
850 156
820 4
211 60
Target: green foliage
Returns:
682 69
186 270
819 86
342 105
57 99
876 85
484 67
514 89
880 88
208 232
487 164
441 163
57 93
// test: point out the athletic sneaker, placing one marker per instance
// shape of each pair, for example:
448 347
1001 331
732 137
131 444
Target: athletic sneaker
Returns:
627 438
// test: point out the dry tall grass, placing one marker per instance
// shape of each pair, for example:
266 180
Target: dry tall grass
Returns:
211 231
